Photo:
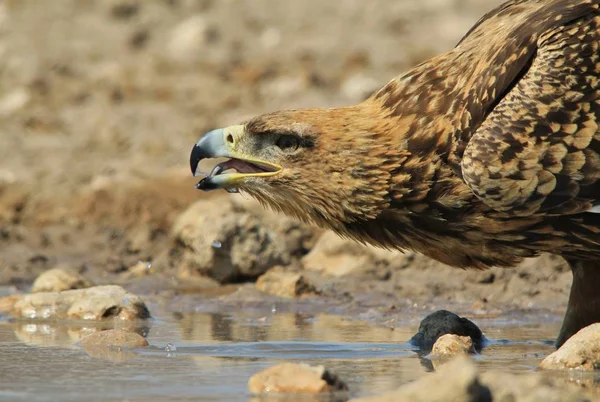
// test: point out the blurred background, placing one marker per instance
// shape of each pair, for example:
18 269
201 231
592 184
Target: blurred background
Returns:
99 92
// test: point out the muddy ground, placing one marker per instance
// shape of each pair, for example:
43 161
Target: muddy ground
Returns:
101 101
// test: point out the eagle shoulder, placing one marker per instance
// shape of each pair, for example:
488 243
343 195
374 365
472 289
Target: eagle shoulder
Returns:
538 150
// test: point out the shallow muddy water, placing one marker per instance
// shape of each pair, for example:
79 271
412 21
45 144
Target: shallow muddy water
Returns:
210 356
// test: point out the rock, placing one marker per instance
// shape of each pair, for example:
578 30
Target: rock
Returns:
270 38
138 270
109 344
7 302
58 333
139 239
123 10
529 387
14 101
95 303
455 381
459 381
242 295
299 238
335 256
284 284
581 351
296 379
450 345
227 243
444 322
59 279
7 177
114 337
13 197
188 38
195 284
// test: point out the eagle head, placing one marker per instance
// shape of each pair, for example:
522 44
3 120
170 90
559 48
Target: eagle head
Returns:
324 166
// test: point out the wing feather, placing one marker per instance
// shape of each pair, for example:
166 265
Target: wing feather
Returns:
538 150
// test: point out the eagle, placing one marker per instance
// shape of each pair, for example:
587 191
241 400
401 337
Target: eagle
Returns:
481 156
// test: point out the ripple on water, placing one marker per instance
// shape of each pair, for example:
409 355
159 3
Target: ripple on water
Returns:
214 354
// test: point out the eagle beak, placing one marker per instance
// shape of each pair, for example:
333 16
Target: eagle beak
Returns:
211 145
221 143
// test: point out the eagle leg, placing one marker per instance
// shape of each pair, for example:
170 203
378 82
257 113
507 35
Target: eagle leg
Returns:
583 308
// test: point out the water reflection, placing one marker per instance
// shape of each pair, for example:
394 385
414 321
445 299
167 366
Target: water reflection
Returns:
240 327
214 354
65 333
110 353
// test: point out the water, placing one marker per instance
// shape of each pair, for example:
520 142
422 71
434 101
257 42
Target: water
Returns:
211 356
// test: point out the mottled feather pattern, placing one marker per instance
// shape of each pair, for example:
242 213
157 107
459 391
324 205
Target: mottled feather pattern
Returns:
555 59
481 156
537 152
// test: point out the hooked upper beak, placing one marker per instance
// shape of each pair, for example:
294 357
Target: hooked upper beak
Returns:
211 145
222 143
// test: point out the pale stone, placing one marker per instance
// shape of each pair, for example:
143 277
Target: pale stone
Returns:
95 303
457 381
581 351
284 284
335 256
529 387
295 378
451 345
227 243
59 279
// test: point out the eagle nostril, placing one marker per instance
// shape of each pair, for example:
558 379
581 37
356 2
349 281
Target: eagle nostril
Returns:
230 138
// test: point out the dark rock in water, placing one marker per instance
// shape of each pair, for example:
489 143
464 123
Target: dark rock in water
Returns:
444 322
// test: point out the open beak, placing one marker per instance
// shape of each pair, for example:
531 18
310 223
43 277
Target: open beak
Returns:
221 143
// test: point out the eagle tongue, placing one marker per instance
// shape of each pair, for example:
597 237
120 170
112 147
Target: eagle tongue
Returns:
239 165
242 166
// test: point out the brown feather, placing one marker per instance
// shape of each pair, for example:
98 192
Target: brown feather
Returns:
481 156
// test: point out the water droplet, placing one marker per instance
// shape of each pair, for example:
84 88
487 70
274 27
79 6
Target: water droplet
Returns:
126 300
216 244
232 190
170 348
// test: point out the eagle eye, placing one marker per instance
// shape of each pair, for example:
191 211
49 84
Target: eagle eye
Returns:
288 142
